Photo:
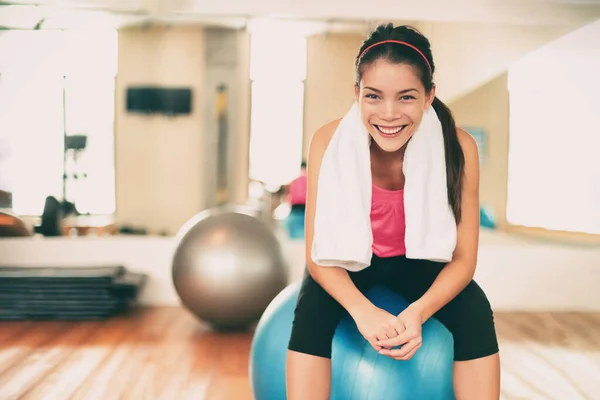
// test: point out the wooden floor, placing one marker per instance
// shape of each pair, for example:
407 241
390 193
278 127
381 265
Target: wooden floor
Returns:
163 353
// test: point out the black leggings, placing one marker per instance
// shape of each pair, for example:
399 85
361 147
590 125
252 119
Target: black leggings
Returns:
468 316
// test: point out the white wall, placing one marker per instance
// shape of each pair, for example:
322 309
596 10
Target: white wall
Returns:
517 274
159 175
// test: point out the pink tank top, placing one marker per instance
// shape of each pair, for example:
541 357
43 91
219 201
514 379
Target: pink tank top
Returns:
387 222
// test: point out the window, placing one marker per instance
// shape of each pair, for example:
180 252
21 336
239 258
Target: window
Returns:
89 104
31 126
554 169
54 83
277 72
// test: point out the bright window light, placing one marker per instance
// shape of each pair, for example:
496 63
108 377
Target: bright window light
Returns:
47 79
554 168
278 70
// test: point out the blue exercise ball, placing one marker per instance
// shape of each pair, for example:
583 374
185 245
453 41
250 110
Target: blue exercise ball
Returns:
358 371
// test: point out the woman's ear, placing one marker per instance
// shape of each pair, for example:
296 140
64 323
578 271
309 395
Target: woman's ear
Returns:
431 97
356 91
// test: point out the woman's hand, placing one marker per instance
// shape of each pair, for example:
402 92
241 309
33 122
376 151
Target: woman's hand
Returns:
410 323
376 324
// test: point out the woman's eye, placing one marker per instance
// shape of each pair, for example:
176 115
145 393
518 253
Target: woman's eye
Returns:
371 96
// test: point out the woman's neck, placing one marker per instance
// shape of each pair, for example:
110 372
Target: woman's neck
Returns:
386 168
386 157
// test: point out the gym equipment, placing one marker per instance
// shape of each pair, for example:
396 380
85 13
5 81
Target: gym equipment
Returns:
12 226
358 371
228 266
223 194
66 293
74 145
6 200
52 218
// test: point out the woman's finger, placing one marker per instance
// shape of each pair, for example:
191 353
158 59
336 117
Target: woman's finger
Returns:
404 337
381 333
409 355
404 350
390 331
373 342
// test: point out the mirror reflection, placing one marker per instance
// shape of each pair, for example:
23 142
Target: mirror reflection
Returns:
162 161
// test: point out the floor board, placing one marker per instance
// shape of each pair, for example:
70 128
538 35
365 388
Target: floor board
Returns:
165 354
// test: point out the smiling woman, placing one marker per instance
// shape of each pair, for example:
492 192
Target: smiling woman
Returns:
395 96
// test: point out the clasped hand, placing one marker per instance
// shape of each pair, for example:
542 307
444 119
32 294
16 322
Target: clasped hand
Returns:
385 332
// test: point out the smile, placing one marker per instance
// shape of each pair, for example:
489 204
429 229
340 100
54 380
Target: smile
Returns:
390 131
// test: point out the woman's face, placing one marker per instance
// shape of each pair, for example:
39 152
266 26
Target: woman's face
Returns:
392 101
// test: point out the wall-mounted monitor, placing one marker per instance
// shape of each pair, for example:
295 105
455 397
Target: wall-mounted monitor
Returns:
159 100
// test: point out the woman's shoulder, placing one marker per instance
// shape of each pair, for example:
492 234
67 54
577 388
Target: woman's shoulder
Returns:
322 136
467 143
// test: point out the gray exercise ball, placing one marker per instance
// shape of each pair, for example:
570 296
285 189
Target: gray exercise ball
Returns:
228 266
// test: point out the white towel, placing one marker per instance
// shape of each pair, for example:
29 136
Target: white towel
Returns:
342 226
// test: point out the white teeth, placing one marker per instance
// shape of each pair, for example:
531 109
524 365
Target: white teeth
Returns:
390 131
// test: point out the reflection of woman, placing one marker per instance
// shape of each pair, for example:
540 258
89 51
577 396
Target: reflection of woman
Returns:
297 190
295 196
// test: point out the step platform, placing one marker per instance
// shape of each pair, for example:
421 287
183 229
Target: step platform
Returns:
67 293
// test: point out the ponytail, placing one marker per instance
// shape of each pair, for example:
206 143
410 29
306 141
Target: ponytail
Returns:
455 159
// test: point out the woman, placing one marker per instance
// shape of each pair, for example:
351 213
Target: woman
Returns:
394 86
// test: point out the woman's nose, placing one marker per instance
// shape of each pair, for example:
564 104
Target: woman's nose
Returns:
390 111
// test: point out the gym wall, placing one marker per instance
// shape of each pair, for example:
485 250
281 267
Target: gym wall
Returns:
165 166
159 159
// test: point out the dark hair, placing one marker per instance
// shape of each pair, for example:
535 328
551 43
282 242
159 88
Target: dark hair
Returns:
398 53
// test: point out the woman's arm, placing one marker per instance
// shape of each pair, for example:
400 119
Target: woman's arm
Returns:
457 274
334 280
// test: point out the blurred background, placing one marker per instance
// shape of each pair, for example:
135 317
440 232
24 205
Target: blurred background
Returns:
126 125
